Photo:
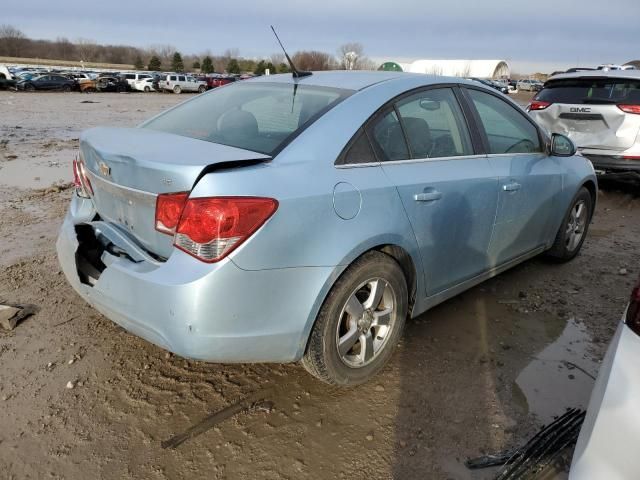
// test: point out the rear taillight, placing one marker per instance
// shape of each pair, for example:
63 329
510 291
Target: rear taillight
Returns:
633 312
211 228
76 175
80 179
537 105
630 109
168 209
631 157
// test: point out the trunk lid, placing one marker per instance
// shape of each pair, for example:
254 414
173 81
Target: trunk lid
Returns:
604 127
585 108
129 167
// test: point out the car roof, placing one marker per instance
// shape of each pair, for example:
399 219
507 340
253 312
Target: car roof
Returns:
351 80
633 74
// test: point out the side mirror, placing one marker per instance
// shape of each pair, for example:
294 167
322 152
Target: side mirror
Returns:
562 146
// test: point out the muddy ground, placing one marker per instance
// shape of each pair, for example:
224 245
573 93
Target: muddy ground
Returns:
477 374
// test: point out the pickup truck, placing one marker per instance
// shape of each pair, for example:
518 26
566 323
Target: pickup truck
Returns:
178 83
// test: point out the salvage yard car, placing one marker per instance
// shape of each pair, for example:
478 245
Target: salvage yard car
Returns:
284 219
132 78
178 83
529 85
112 84
611 429
599 111
217 80
144 85
48 82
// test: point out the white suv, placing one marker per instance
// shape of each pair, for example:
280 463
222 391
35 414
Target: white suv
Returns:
178 83
599 110
132 77
529 85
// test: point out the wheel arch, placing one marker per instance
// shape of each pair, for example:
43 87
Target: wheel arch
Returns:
593 191
400 254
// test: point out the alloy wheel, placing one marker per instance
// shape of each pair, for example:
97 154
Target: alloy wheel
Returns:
576 225
366 322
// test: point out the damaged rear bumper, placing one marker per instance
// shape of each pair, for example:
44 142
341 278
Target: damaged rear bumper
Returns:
212 312
613 163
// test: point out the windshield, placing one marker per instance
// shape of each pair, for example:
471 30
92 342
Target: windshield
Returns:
592 90
261 117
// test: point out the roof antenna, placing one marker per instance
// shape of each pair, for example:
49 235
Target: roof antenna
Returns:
294 71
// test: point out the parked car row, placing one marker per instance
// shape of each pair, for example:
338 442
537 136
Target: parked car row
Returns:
39 79
499 85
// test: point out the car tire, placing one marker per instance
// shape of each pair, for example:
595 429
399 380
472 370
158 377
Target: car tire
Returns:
28 87
66 88
352 339
202 89
573 229
177 89
147 89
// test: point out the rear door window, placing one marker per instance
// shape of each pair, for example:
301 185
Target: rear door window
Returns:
587 90
172 78
181 78
434 124
507 129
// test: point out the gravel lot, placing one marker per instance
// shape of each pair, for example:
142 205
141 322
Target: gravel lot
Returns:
477 374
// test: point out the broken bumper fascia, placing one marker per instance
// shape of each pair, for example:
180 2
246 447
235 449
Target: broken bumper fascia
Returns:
212 312
613 163
607 445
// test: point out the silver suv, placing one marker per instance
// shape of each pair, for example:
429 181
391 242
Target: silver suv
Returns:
599 111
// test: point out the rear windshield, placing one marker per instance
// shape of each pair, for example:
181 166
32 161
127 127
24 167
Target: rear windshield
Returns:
260 117
592 90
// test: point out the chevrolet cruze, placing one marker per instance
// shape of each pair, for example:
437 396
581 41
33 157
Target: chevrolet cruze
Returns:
288 219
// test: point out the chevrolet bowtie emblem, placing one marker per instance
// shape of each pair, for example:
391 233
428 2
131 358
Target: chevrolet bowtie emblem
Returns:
105 169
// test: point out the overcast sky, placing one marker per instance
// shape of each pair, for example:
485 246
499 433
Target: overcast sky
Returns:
532 35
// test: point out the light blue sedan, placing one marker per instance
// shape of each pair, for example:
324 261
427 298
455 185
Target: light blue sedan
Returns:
304 219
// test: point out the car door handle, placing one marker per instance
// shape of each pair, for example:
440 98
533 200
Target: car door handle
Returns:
511 187
430 196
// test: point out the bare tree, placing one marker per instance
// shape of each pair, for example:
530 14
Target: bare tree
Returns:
12 41
277 58
64 49
365 63
350 54
87 49
230 53
312 60
164 53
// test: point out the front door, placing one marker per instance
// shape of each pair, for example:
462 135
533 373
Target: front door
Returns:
449 194
530 180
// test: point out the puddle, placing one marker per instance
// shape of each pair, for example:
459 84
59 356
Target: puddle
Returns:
558 377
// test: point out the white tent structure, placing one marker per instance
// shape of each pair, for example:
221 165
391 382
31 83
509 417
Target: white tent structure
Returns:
455 68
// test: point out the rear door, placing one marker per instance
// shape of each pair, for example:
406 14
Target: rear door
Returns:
592 111
449 192
530 180
43 83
